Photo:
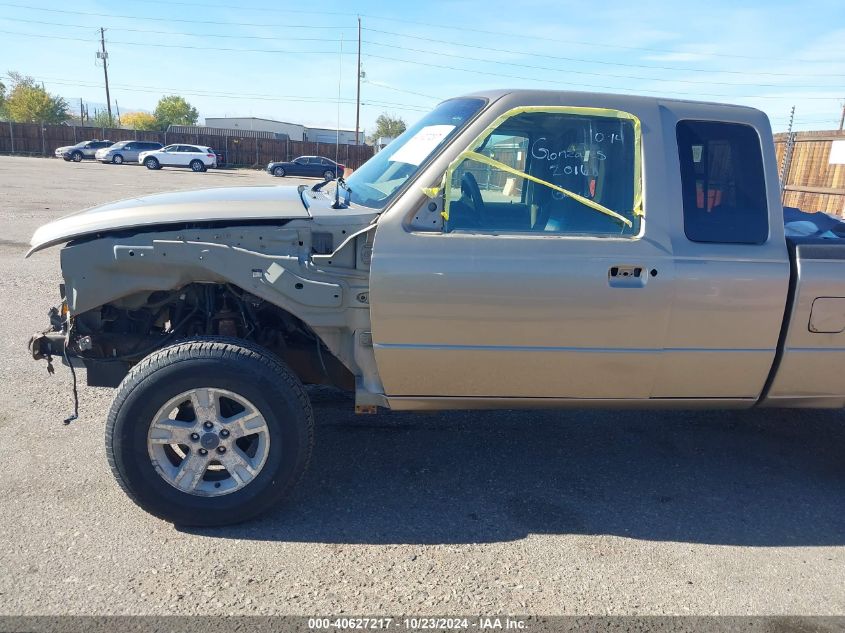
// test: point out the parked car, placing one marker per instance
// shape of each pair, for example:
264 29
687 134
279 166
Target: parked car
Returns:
313 166
197 157
221 157
85 149
512 249
125 151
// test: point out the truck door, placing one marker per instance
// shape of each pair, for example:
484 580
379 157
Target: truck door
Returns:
545 281
731 262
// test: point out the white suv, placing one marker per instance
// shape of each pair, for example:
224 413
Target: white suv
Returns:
197 157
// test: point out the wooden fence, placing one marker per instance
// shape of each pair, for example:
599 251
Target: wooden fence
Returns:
811 183
34 139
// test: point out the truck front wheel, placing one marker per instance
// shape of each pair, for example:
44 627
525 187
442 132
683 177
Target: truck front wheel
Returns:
209 432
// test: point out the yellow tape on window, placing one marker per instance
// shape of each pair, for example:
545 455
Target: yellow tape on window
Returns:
481 158
637 206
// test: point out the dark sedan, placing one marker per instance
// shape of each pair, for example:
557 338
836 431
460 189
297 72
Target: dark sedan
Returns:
313 166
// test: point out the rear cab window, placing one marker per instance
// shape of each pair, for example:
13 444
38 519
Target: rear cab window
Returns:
723 183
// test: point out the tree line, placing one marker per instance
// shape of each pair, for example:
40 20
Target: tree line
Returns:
27 101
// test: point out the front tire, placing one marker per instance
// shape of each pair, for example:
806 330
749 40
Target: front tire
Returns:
209 432
76 157
197 165
117 159
151 163
278 171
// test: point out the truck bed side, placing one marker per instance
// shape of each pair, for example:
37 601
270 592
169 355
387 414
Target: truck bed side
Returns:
811 356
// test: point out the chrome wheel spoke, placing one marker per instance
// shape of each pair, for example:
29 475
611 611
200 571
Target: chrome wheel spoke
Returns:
238 465
205 403
190 472
246 423
174 433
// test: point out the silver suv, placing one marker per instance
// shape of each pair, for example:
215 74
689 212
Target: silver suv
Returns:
125 151
85 149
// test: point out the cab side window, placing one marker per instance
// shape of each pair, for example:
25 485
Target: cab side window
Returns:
549 172
723 184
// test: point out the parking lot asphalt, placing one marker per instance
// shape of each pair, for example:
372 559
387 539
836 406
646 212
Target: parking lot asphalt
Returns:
574 512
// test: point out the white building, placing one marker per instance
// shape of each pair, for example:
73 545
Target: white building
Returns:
294 131
330 135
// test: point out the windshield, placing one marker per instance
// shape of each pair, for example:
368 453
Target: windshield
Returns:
374 183
119 145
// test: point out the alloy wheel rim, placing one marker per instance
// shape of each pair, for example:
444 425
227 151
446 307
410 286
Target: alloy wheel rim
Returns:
208 442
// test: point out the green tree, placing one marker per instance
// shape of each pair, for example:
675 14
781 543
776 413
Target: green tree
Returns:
2 100
28 102
174 110
101 118
139 121
387 125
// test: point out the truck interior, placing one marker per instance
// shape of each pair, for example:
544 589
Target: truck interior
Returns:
590 156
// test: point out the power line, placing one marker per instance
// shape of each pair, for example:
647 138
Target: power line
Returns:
585 59
485 48
223 95
472 46
465 29
240 8
516 64
440 26
410 92
584 72
593 44
198 35
418 63
138 17
564 83
185 46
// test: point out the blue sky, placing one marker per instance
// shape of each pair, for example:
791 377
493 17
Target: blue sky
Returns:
282 60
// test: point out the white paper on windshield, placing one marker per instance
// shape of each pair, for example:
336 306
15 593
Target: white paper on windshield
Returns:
421 144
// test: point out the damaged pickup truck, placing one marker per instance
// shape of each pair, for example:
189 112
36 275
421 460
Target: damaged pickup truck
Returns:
512 249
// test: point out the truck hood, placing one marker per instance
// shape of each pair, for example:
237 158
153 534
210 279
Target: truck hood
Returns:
206 205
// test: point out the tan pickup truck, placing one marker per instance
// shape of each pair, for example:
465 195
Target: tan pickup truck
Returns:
511 249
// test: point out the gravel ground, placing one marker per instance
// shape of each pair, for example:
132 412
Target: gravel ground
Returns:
578 512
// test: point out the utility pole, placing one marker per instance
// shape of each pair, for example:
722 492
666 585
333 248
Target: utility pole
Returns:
81 112
842 118
105 57
117 109
358 100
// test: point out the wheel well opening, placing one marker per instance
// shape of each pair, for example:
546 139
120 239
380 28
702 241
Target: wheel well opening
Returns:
117 335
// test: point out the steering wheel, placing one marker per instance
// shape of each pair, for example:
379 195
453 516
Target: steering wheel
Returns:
469 186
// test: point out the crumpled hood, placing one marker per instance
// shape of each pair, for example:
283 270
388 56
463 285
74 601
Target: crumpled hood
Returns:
205 205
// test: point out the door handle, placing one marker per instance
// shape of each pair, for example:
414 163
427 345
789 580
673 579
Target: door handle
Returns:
627 276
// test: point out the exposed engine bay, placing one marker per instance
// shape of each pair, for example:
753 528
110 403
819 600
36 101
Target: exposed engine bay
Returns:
110 339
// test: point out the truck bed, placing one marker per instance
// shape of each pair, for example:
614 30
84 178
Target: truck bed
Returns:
809 369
